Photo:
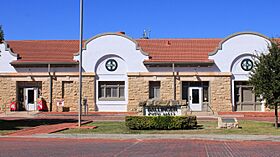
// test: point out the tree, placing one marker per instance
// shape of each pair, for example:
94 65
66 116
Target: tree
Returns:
1 34
265 77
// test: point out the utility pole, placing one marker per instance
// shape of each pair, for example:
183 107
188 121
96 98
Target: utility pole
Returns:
80 65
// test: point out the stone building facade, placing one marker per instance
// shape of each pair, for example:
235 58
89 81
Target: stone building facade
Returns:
65 86
210 75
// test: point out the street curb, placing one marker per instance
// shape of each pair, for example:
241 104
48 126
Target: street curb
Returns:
157 136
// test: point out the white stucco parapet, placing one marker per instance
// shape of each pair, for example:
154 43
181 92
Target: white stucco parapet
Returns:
6 57
113 45
236 46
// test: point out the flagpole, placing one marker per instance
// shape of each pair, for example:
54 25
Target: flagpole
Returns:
80 64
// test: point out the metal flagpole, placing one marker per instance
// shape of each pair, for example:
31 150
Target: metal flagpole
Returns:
80 64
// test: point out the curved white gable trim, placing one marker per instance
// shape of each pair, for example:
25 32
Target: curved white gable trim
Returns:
113 44
234 49
6 57
236 45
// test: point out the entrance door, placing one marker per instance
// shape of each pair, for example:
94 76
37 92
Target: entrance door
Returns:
195 98
30 95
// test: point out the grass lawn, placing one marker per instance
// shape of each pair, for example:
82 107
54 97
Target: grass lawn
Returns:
205 127
3 132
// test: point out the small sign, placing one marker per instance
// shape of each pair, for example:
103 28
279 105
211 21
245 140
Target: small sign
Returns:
111 65
60 103
227 122
247 64
162 111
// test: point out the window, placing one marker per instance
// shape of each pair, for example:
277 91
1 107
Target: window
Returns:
154 89
111 90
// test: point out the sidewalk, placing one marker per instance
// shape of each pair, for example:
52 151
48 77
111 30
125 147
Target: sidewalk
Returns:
159 136
45 129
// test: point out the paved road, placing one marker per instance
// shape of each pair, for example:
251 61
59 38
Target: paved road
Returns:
26 147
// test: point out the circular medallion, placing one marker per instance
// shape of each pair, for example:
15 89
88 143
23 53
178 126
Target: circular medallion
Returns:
247 64
111 65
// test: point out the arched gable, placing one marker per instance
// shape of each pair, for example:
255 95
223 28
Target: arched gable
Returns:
113 44
236 45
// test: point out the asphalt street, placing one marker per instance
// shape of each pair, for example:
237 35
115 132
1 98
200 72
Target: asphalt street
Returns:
52 147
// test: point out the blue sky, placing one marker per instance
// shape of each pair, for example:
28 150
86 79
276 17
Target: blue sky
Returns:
59 19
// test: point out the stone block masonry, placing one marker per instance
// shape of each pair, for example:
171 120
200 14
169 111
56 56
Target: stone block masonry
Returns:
219 88
7 92
220 94
64 86
138 90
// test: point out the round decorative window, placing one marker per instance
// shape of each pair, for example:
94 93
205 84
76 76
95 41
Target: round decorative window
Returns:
247 64
111 65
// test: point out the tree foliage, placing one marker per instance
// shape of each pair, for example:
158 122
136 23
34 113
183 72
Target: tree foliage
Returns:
266 74
265 77
1 34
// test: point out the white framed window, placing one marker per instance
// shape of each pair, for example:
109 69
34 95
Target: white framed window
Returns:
111 90
154 89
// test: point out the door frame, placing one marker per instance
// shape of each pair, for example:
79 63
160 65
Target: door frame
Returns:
30 107
195 106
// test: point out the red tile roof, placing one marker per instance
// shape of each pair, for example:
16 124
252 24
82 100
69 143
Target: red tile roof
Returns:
178 50
159 50
52 51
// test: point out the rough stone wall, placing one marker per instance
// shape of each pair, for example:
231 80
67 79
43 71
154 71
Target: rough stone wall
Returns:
89 91
62 87
68 90
46 91
178 89
7 92
138 90
166 88
70 94
220 94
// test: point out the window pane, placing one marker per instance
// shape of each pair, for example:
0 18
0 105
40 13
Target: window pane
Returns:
121 92
157 93
154 89
114 92
30 97
195 96
151 93
205 94
247 93
108 92
102 92
111 89
185 88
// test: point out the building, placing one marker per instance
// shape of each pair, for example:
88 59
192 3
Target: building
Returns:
119 72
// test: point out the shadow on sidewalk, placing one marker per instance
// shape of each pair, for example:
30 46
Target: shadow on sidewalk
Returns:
19 124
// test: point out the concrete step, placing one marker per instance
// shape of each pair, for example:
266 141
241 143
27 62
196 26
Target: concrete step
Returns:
203 114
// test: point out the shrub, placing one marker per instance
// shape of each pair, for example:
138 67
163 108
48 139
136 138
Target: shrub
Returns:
160 122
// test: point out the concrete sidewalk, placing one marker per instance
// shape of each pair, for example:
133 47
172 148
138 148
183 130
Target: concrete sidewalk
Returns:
158 136
47 129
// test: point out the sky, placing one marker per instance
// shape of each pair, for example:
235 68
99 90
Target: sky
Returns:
59 19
